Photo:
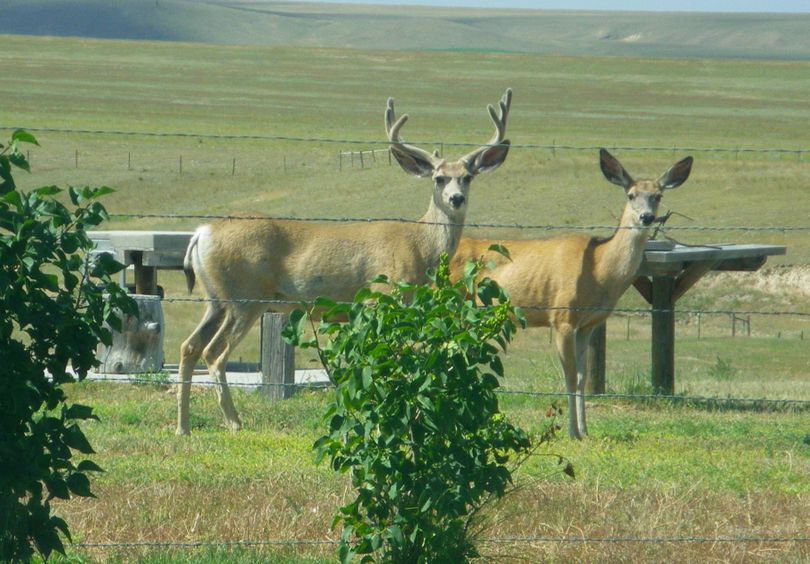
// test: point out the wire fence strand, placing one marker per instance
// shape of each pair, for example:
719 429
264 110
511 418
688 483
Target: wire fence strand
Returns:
320 385
743 539
520 226
344 141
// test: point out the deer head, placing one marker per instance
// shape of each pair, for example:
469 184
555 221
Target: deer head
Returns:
643 196
451 179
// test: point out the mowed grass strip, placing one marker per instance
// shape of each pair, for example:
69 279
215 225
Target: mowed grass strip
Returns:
649 470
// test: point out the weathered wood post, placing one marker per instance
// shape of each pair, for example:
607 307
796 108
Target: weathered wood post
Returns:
138 347
663 335
145 276
277 358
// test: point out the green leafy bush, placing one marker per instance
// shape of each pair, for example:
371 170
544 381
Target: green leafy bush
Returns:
415 417
52 314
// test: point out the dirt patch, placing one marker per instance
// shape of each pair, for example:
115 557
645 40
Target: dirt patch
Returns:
778 281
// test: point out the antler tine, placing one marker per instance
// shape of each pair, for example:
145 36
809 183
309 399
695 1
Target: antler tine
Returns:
392 129
499 119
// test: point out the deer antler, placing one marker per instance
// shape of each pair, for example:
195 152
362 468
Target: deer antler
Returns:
499 119
399 148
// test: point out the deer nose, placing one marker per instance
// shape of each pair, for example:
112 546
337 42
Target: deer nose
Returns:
647 219
456 200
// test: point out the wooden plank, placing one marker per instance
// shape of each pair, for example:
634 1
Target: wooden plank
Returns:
683 253
277 360
689 277
165 260
747 264
644 287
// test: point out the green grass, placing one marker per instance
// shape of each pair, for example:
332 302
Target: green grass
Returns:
650 469
664 461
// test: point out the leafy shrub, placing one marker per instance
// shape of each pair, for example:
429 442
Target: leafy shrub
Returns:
52 312
415 417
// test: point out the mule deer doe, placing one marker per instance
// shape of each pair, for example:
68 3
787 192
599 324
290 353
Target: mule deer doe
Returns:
242 260
572 282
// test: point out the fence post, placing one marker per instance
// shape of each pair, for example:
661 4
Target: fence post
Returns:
233 167
277 358
362 166
76 158
663 335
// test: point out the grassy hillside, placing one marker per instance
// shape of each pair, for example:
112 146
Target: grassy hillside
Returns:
262 22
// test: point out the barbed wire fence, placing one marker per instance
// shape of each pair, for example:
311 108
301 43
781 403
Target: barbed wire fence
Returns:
742 539
365 153
363 158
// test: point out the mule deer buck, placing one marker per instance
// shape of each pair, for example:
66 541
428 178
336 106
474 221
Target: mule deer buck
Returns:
241 260
572 282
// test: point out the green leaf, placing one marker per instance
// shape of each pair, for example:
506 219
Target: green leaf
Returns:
57 487
46 191
19 161
79 485
22 136
89 466
75 439
501 250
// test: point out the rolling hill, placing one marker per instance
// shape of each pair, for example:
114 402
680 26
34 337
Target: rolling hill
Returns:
262 22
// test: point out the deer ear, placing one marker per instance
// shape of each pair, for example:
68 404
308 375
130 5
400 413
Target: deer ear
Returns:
489 158
676 175
613 170
412 163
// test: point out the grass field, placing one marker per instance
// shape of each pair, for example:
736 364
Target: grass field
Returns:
685 469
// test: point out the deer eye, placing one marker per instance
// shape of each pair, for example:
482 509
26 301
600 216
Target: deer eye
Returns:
657 197
631 197
440 180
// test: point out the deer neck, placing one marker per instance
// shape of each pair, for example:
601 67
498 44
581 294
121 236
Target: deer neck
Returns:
440 232
621 254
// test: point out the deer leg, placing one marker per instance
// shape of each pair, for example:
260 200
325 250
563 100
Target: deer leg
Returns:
582 339
190 353
567 352
230 334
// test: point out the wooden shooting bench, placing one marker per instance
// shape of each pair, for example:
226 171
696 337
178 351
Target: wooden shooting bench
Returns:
667 273
146 252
